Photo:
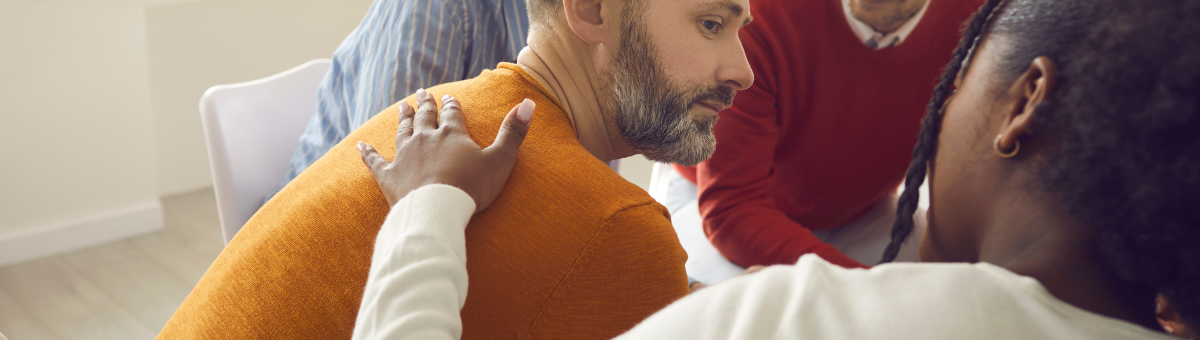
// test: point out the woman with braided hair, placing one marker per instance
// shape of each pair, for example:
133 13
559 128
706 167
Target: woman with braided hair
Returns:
1062 147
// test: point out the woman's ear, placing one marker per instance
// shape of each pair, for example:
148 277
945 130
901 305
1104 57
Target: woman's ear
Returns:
591 19
1030 90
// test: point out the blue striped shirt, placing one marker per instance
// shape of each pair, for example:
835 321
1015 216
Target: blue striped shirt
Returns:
399 47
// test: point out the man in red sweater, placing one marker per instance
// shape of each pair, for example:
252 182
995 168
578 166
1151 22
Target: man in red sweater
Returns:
809 158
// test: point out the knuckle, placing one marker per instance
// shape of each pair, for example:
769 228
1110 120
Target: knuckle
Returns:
516 127
425 105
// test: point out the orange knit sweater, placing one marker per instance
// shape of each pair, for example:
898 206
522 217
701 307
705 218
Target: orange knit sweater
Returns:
568 250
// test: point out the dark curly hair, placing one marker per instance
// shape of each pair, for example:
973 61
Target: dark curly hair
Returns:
1122 129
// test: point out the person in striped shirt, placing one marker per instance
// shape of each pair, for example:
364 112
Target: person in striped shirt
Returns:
401 46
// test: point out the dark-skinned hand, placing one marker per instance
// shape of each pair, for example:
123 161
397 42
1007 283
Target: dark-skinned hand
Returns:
1171 322
695 286
430 150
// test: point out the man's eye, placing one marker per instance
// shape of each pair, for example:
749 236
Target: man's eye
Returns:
711 26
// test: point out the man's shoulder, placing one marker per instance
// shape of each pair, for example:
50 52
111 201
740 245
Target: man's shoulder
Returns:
487 98
564 185
966 7
554 177
954 14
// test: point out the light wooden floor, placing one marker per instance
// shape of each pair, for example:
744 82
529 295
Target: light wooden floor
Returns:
125 290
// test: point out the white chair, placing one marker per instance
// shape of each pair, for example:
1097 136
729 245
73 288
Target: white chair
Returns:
252 130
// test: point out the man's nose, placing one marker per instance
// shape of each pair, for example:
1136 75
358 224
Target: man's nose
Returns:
734 70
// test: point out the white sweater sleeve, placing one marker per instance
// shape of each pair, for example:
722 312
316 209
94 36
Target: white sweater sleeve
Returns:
817 300
418 278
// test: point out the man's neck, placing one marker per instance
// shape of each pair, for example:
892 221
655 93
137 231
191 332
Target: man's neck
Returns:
563 67
887 17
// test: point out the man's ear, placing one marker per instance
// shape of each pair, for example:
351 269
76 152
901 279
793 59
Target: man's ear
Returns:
1030 90
591 19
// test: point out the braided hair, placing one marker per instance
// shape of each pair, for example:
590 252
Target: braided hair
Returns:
1122 129
930 126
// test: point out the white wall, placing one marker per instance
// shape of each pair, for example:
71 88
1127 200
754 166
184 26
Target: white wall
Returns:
76 142
98 104
193 46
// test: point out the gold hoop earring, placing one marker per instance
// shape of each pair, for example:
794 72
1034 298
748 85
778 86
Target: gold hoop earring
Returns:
1002 154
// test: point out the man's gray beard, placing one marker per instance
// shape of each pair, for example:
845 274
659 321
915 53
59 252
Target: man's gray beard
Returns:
652 114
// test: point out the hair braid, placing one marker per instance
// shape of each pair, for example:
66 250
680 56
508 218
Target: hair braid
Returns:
930 126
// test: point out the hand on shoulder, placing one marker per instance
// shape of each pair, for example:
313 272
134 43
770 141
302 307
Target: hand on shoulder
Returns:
430 150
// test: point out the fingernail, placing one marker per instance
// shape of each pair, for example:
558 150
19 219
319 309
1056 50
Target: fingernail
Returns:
360 146
421 93
445 97
525 111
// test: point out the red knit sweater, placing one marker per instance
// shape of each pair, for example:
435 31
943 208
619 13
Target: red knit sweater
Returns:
826 130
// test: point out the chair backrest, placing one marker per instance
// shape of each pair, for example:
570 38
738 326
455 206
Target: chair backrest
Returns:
252 129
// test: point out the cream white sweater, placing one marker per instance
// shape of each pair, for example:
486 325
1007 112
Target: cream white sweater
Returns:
418 284
418 278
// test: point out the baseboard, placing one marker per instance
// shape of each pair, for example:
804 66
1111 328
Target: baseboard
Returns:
80 233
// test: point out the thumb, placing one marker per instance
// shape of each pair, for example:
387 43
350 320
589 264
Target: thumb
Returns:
372 159
753 269
513 130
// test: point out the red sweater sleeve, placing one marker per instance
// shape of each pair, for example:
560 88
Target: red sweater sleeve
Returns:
735 185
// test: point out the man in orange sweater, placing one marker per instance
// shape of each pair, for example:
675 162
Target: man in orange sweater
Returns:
568 249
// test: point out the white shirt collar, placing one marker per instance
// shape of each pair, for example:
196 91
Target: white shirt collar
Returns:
874 39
